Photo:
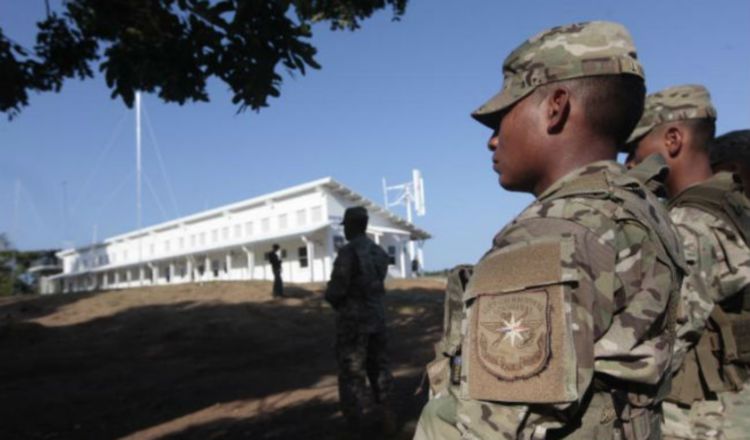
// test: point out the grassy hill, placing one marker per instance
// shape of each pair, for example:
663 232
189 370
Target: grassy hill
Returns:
218 360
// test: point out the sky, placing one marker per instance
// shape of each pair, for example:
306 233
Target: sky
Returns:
390 97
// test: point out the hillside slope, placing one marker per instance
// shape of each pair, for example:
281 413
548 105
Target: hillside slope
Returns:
219 360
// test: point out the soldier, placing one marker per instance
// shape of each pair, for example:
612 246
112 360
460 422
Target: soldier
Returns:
274 257
731 152
356 292
566 326
678 124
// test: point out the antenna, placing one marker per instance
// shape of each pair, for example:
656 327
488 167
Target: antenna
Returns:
138 157
418 184
411 195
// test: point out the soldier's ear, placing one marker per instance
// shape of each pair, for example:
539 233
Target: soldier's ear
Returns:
558 109
673 140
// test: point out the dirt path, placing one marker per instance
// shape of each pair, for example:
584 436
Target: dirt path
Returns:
217 361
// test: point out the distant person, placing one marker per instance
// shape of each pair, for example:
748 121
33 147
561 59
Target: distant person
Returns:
356 293
731 152
274 257
415 267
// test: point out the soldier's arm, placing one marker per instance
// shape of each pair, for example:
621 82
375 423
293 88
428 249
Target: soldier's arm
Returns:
340 278
733 266
606 303
382 262
696 300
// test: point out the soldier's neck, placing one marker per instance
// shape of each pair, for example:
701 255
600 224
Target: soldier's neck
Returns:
577 155
687 174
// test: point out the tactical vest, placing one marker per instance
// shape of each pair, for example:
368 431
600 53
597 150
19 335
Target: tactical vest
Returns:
720 358
634 423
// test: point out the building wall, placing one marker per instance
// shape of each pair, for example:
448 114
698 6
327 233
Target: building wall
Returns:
231 245
259 222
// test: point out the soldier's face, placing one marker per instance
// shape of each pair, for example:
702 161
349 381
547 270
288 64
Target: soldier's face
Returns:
515 147
646 146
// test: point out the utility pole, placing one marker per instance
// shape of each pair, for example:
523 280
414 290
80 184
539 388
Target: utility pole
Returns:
138 158
138 181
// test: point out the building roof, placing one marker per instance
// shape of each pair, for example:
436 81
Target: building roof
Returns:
325 183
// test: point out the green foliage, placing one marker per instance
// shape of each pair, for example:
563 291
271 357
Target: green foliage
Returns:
172 47
12 264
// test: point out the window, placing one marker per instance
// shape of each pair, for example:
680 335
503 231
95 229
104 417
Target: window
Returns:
237 231
391 254
202 239
225 233
166 246
249 229
181 242
316 214
214 236
302 253
192 240
151 249
301 217
282 221
125 255
265 225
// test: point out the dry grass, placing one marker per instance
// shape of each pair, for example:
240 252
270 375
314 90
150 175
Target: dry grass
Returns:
219 360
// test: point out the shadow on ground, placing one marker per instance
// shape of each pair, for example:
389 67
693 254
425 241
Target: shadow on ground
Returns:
202 367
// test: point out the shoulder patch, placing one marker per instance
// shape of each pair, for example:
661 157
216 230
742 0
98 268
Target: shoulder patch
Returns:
513 333
520 346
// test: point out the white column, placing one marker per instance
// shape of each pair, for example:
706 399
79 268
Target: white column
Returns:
328 249
311 258
250 254
189 269
141 275
208 270
420 255
171 272
402 253
229 265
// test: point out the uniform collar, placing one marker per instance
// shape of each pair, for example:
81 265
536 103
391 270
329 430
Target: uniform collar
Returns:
592 168
723 179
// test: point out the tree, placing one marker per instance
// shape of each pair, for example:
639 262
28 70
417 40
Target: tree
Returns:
7 265
172 47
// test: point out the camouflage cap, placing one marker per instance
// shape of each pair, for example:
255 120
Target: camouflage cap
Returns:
677 103
730 147
564 52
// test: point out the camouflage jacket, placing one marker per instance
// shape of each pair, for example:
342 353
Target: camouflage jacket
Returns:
577 296
356 287
719 261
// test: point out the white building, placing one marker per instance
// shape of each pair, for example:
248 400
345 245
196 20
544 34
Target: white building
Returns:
231 243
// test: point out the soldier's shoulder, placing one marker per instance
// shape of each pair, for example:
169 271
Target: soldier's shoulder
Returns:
694 217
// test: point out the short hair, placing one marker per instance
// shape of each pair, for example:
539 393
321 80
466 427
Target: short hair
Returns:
613 104
730 147
703 130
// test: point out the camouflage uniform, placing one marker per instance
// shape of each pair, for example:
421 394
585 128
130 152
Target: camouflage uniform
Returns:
719 262
356 293
566 323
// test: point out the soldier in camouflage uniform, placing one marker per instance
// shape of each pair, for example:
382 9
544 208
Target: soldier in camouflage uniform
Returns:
678 124
356 292
565 327
731 152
